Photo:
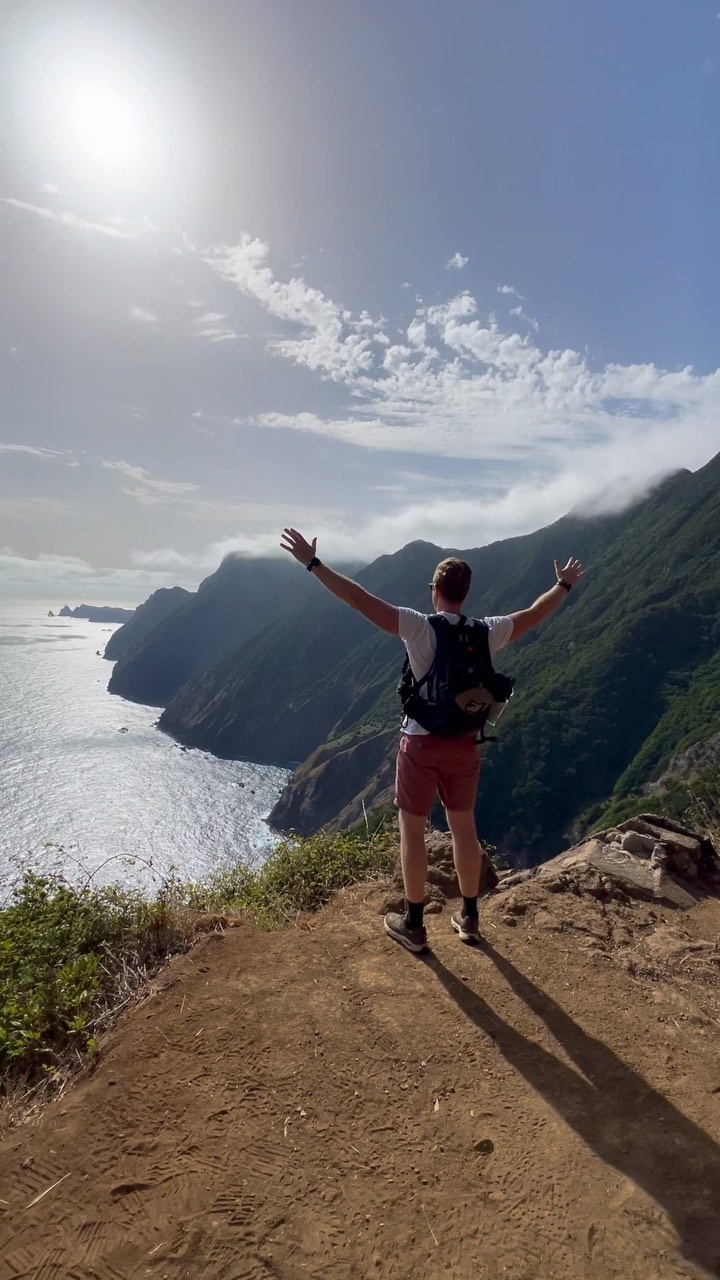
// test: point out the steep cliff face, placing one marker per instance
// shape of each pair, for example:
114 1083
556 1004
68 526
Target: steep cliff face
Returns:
363 770
159 606
276 697
229 607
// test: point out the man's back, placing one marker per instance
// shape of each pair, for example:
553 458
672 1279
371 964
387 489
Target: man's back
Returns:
420 641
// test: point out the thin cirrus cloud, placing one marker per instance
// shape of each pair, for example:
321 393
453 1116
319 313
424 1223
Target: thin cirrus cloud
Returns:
523 315
33 451
67 219
212 327
117 227
143 316
510 289
217 333
149 489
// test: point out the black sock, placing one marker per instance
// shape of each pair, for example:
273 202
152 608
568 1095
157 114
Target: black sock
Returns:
470 906
414 914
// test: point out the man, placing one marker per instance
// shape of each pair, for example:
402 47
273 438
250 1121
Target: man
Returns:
427 762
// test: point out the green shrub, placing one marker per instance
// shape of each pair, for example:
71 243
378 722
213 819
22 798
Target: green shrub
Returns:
300 874
66 957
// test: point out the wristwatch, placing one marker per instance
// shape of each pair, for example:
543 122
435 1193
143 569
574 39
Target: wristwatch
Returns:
312 564
563 582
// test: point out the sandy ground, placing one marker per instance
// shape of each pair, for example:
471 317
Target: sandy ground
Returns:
318 1102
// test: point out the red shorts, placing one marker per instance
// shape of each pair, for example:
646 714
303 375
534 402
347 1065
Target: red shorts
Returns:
427 763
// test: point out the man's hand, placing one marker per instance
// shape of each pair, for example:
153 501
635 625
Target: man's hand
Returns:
550 601
572 572
298 547
379 612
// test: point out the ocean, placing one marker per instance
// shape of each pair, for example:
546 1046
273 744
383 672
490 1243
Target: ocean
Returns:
88 784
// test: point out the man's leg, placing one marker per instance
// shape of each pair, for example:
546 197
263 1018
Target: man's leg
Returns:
408 928
415 783
467 855
413 855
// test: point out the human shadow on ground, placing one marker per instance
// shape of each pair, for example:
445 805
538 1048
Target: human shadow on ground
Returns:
613 1109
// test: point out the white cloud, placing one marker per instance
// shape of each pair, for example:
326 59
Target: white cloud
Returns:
462 386
143 316
522 315
148 484
67 219
448 513
509 288
333 342
417 333
214 327
218 334
138 226
456 263
34 451
465 388
55 580
51 188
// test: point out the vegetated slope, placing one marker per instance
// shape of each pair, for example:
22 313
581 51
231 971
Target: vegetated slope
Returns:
318 1102
612 684
607 689
232 605
159 606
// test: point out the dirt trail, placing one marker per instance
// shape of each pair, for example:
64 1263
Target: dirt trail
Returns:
320 1103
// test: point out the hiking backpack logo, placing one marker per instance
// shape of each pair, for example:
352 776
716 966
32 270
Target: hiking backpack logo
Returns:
454 698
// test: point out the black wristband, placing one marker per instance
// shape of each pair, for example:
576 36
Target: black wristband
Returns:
562 582
313 564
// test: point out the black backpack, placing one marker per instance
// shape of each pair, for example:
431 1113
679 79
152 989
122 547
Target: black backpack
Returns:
461 684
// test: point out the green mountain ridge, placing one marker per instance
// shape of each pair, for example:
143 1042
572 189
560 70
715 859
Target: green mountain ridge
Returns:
608 690
229 607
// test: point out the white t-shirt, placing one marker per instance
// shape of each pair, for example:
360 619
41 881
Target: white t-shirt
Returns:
420 641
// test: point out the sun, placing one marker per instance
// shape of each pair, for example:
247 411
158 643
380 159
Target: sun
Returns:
102 125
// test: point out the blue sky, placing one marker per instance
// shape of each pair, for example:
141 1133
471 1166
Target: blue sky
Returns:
378 271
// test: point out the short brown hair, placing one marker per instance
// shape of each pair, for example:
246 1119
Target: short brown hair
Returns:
452 579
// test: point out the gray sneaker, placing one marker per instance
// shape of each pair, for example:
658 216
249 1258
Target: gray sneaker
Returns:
396 926
466 927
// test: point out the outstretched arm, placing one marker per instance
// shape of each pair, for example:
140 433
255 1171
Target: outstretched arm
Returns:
377 611
546 604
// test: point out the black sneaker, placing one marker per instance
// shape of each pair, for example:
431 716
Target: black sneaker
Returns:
396 926
466 927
